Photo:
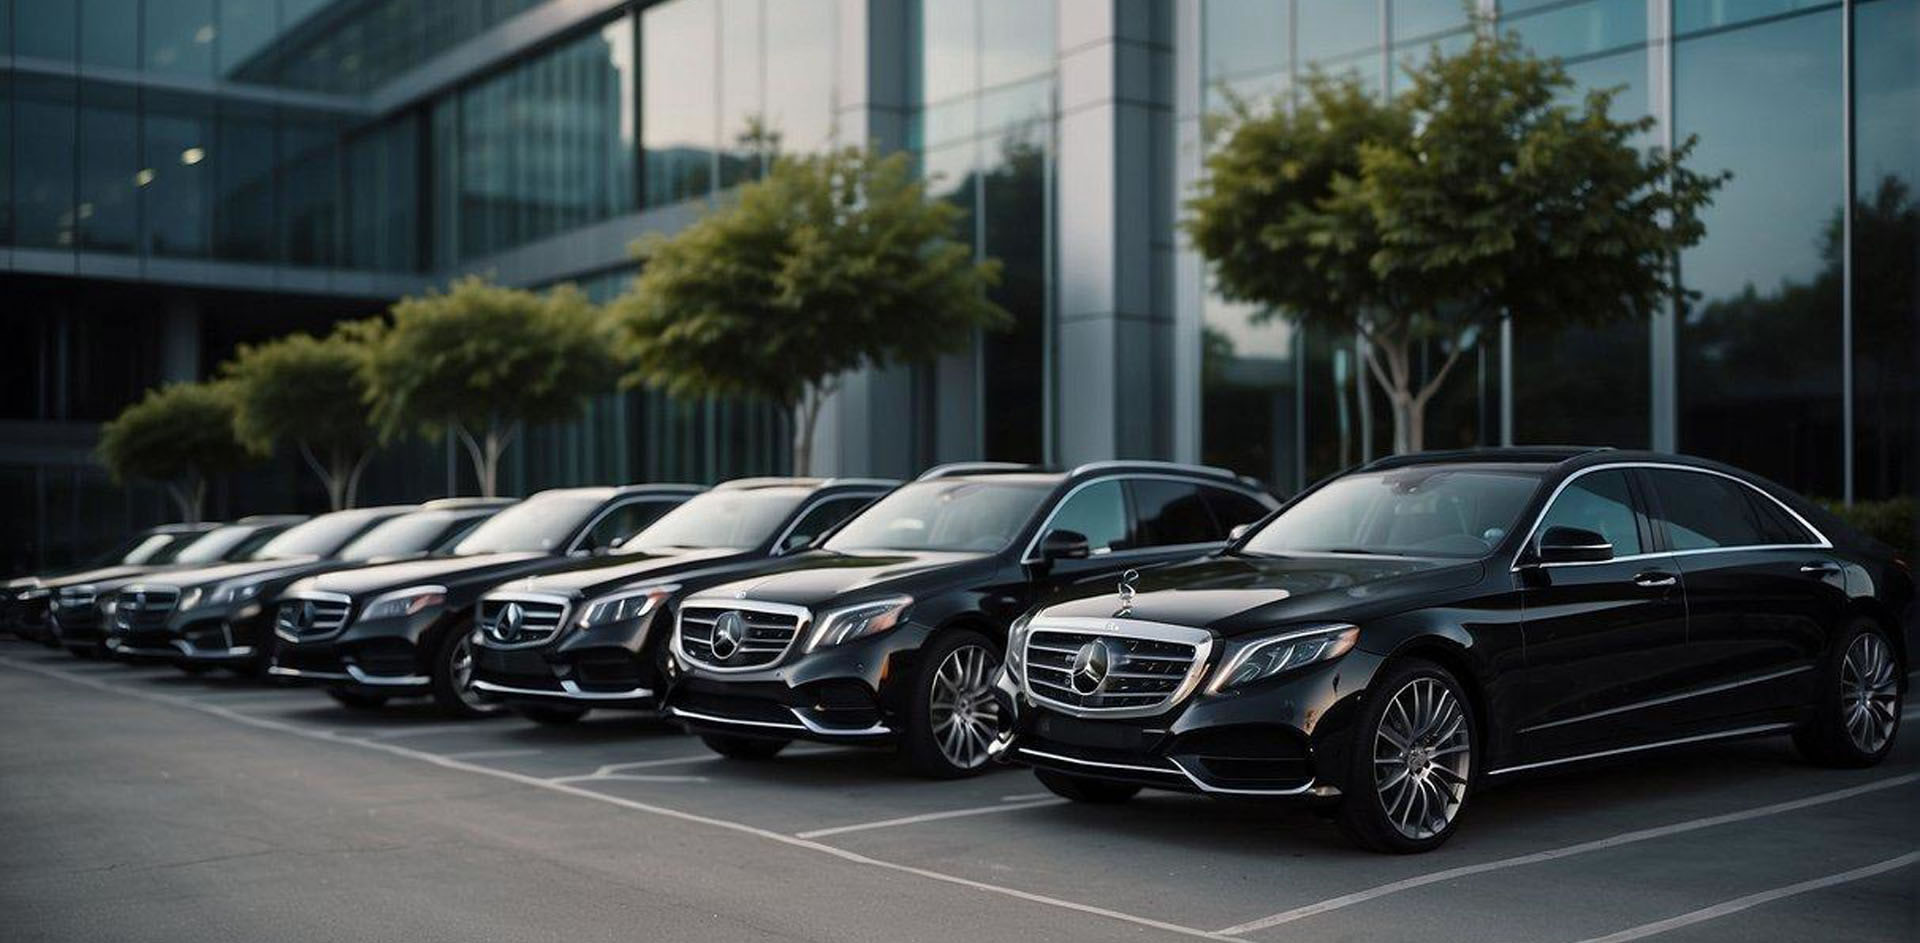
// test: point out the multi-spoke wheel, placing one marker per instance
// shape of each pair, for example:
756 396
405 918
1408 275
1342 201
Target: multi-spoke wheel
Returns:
954 716
1414 758
1861 714
452 680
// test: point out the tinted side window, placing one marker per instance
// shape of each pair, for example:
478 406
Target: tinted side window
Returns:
1097 511
1703 511
1776 525
623 521
1600 502
1171 513
824 516
1231 508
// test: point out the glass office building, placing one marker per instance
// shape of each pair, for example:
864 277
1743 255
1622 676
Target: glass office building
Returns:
181 176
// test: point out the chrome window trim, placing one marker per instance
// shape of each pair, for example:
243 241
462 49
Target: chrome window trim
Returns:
1533 533
1667 699
559 627
1618 751
1201 640
1029 556
800 629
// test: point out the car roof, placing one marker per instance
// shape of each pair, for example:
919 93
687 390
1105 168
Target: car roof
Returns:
1492 455
261 520
774 481
457 503
604 492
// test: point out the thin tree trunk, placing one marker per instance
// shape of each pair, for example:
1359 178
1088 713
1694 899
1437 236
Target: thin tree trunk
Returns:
806 419
327 475
182 502
353 477
481 470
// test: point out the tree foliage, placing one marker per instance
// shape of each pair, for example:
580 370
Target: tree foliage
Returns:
310 392
485 360
1419 220
830 263
179 435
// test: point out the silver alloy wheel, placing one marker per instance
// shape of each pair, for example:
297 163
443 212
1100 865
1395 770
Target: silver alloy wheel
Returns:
961 709
461 673
1869 693
1422 758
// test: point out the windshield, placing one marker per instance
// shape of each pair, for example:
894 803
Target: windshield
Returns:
137 549
168 551
538 524
407 534
320 537
1409 512
214 545
953 515
731 520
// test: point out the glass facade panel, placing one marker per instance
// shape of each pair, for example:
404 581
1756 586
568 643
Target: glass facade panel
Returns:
1886 248
43 30
43 147
179 35
245 27
382 202
309 179
678 96
1425 19
1759 352
110 33
1016 41
802 40
176 135
1244 38
243 190
1339 35
107 211
1694 15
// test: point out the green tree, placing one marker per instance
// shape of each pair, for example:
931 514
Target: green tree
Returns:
179 435
312 392
1421 219
829 263
484 360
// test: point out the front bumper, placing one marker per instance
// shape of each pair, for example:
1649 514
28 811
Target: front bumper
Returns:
76 627
848 693
384 656
228 637
615 666
1282 738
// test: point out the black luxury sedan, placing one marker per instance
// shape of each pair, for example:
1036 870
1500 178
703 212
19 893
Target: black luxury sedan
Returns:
555 646
1400 635
82 607
219 616
404 629
26 602
892 630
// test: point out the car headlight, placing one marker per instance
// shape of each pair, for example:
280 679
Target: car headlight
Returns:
624 606
107 604
1017 645
865 619
191 598
35 593
404 602
227 594
1268 657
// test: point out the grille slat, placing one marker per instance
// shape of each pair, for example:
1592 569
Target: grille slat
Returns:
539 619
144 607
765 638
307 618
1141 674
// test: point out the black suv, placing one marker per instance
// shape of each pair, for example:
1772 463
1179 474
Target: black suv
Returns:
26 602
402 629
82 608
1401 634
220 616
893 629
555 646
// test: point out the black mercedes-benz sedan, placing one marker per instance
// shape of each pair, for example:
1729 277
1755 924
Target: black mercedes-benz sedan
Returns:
1399 636
83 605
404 629
891 631
26 602
221 616
554 647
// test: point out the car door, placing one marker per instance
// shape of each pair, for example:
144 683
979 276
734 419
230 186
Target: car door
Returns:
1599 636
1764 593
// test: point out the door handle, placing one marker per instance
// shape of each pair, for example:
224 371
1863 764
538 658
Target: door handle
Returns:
1654 578
1820 566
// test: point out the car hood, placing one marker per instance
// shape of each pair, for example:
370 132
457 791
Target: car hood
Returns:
481 569
600 574
1235 595
209 575
119 573
821 576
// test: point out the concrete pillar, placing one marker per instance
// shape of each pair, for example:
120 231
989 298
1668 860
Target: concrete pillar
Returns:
180 343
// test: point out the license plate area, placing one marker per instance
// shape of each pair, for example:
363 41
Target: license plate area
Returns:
1098 735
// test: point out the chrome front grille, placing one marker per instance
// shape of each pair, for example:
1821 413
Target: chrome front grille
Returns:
520 620
736 635
144 607
305 618
1112 667
71 598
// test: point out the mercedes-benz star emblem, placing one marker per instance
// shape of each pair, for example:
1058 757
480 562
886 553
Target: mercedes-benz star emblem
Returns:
1090 666
728 632
304 616
1127 590
506 623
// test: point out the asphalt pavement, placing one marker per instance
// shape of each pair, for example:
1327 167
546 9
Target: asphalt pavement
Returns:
139 803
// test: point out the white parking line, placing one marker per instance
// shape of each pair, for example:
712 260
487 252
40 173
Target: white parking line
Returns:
492 754
613 770
417 730
1754 900
1024 796
1555 854
852 857
929 817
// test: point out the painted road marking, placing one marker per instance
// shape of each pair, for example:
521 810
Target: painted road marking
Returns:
1555 854
930 817
492 754
1754 900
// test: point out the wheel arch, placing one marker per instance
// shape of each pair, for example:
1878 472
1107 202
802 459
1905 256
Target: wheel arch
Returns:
1449 653
1878 612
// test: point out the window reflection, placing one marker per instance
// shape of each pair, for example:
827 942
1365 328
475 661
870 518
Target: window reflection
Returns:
678 92
107 214
1886 248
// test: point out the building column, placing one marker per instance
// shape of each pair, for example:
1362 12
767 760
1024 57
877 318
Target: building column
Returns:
1116 337
180 343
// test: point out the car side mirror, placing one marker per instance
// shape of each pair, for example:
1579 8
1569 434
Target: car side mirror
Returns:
795 542
1064 545
616 543
1574 545
1239 531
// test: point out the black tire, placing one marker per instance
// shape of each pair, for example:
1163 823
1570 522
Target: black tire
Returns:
1363 812
920 748
1827 740
550 715
1083 790
743 748
451 692
357 700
